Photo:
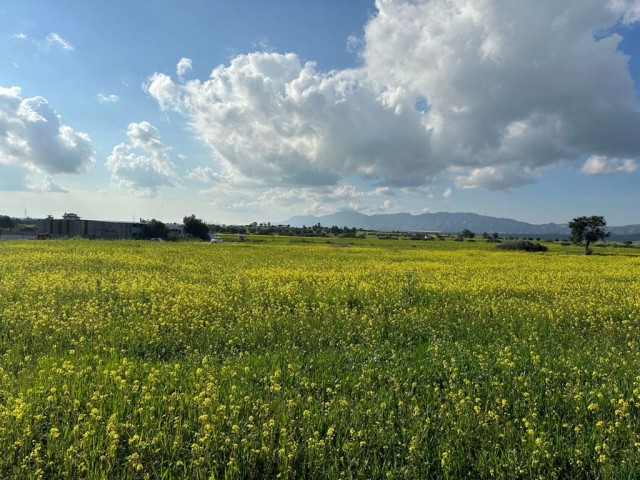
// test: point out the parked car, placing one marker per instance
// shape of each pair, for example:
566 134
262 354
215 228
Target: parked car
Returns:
216 240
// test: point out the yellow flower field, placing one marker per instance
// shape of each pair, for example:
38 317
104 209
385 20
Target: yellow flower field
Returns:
283 359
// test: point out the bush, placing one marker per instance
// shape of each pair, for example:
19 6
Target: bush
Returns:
522 245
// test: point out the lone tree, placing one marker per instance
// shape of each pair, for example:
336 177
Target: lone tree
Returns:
196 228
588 230
466 233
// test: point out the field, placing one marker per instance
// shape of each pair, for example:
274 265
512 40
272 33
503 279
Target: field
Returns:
283 359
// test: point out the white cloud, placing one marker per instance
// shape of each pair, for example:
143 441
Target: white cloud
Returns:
144 173
629 10
354 44
54 39
505 89
268 117
600 165
205 175
19 36
184 66
447 193
387 207
48 185
503 177
34 138
110 98
511 86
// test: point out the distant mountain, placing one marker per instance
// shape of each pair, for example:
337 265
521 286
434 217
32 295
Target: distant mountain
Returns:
444 222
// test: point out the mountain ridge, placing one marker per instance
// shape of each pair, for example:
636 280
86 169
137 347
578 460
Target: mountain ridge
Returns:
444 222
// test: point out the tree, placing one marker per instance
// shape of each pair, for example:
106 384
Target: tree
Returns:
588 230
7 222
155 229
196 228
466 233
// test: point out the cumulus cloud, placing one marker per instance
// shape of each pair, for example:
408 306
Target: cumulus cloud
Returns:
48 185
511 87
55 40
270 117
142 173
447 193
184 66
33 137
110 98
600 165
498 90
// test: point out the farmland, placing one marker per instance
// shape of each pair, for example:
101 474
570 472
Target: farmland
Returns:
290 359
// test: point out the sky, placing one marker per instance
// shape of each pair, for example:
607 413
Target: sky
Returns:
251 110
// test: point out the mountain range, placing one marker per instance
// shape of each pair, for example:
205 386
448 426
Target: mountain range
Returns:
445 222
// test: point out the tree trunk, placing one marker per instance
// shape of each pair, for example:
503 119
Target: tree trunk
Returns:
587 251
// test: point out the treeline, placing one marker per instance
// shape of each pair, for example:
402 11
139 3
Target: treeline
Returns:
11 223
269 229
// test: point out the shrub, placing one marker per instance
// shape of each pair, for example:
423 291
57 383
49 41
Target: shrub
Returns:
522 245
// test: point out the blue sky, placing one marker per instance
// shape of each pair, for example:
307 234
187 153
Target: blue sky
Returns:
241 111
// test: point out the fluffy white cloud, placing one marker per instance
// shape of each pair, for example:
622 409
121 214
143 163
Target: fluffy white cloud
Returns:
519 84
267 116
54 39
497 89
447 193
599 165
184 66
142 173
33 137
48 185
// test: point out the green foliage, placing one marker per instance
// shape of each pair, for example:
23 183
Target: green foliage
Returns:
466 233
522 245
196 228
588 230
155 229
7 222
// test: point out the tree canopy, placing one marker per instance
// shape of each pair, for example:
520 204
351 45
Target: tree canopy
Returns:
588 230
7 222
155 229
196 228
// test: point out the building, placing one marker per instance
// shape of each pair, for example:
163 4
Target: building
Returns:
71 225
176 230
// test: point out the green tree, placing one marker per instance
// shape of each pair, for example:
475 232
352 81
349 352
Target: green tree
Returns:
588 230
155 229
7 222
196 228
466 233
